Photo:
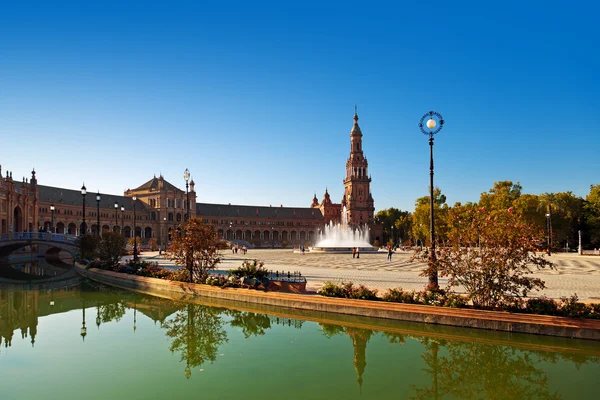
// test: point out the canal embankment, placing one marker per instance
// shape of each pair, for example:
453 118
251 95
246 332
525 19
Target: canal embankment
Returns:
459 317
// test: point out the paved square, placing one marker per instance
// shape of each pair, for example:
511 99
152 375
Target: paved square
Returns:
573 273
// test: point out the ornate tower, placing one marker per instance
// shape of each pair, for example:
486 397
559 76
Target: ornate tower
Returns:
357 193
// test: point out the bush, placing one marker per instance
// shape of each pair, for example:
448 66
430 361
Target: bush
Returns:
542 305
347 291
430 296
254 269
570 307
401 296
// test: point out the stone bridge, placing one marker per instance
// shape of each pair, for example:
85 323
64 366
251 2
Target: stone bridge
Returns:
9 242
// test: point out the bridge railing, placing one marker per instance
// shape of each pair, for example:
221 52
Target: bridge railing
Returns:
44 236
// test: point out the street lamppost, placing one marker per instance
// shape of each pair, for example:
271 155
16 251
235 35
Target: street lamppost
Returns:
116 206
134 232
122 218
83 225
98 212
392 235
186 176
83 332
52 223
272 241
430 129
548 222
162 233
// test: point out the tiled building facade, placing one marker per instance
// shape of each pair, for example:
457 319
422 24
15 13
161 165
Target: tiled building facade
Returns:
160 207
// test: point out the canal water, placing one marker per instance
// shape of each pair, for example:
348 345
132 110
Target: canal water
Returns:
90 341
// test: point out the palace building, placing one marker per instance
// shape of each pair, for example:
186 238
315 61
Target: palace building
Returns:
159 207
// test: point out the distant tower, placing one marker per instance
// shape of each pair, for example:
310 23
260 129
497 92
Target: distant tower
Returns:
315 202
357 192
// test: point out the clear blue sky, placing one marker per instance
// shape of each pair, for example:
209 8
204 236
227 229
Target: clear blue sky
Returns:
257 98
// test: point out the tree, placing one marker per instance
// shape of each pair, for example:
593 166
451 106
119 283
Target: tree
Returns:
400 220
421 216
592 214
111 247
501 196
494 272
88 246
196 247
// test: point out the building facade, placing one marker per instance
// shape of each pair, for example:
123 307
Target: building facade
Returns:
160 207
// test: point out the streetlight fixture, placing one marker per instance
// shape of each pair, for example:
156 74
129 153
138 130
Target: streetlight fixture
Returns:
52 223
134 232
122 218
186 176
98 212
392 235
116 215
434 124
548 222
83 225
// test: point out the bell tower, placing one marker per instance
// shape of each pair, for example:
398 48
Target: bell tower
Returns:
357 184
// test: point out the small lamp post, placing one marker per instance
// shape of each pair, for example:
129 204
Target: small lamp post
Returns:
548 222
83 225
98 198
272 241
83 332
122 218
392 235
434 124
52 223
134 232
186 176
116 215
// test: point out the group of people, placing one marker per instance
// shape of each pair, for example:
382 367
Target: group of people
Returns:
236 248
355 252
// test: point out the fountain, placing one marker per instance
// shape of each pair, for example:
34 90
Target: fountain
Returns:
341 237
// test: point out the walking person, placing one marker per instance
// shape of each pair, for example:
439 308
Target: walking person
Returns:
389 253
358 252
353 252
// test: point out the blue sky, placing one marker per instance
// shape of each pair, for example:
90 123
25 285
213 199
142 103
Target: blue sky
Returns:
257 98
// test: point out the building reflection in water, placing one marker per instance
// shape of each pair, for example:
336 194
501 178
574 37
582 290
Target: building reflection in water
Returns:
458 368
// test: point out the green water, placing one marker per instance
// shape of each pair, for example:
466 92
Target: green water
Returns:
139 347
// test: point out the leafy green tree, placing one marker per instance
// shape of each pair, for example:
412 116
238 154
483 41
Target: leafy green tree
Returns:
592 215
399 219
421 216
111 247
501 196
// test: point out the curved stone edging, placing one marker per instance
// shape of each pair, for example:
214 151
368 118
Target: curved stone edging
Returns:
480 319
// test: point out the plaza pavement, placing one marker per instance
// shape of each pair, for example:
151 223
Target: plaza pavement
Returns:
573 273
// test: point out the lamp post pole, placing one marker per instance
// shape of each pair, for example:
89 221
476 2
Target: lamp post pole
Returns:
392 235
122 218
83 225
98 198
186 176
52 223
435 122
116 206
134 232
548 219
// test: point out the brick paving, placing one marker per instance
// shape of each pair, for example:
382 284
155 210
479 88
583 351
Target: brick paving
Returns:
573 273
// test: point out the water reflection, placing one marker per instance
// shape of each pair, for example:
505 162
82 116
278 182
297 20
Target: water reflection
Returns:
474 368
31 268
